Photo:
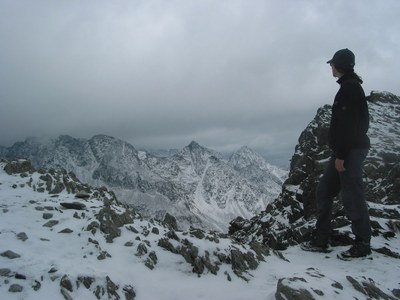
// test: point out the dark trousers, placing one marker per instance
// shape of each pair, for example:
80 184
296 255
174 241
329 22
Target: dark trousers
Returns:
350 185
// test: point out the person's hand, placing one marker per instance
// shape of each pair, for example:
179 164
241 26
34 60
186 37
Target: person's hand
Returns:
339 165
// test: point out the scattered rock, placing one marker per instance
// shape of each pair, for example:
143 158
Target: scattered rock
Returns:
51 223
5 272
129 292
141 249
22 236
66 230
170 222
19 276
47 216
73 205
10 254
19 166
15 288
287 289
66 283
36 285
82 195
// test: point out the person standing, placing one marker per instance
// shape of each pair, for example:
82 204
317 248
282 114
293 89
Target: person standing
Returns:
349 143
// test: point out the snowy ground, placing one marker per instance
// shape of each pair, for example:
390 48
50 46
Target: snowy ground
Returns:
171 279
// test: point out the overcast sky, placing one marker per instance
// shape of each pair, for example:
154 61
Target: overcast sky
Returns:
160 73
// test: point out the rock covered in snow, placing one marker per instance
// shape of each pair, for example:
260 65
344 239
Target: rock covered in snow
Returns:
196 184
288 219
99 229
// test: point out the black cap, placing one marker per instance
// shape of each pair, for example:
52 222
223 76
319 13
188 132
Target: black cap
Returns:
343 59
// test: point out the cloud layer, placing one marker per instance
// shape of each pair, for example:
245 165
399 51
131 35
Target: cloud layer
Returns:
162 73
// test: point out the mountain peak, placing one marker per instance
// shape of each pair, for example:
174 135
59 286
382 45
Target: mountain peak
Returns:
194 145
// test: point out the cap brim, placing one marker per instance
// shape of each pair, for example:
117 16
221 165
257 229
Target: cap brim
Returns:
329 61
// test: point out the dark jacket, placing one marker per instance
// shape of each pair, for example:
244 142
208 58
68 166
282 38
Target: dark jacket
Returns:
350 118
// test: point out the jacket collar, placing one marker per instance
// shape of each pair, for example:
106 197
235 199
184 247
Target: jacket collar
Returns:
349 76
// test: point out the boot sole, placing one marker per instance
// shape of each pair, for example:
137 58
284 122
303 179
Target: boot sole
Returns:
350 258
317 250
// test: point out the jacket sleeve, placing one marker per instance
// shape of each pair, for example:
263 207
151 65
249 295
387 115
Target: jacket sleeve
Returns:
348 118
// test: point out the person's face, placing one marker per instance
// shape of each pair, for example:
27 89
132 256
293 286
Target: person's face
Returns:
335 72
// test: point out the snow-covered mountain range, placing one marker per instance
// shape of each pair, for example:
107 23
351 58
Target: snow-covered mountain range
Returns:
195 184
63 239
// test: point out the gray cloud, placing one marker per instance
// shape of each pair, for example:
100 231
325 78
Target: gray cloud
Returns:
162 73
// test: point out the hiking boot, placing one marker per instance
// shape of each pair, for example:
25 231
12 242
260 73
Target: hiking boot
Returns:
311 247
359 249
317 243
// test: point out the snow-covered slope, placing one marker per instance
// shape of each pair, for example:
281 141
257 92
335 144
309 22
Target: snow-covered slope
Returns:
62 239
196 184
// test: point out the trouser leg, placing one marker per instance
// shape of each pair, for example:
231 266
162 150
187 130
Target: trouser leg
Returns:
327 189
352 194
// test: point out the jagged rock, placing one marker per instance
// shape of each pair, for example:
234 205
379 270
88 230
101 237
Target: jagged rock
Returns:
19 166
369 289
170 222
141 249
197 233
73 205
19 276
22 236
5 272
287 290
111 221
16 288
290 218
36 285
247 179
86 280
92 226
129 292
103 255
64 292
242 262
112 289
66 230
47 216
82 195
10 254
153 256
167 245
51 223
66 283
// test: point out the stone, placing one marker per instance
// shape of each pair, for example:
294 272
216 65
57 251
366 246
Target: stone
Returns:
10 254
22 236
47 216
5 272
129 292
82 195
73 205
170 222
286 291
51 223
19 166
66 283
15 288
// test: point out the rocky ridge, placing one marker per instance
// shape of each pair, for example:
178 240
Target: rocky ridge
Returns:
289 219
196 184
98 223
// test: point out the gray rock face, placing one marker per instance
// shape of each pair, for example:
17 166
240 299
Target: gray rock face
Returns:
196 184
288 219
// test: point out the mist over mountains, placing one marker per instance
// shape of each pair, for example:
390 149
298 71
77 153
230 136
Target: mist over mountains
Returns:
195 184
64 239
